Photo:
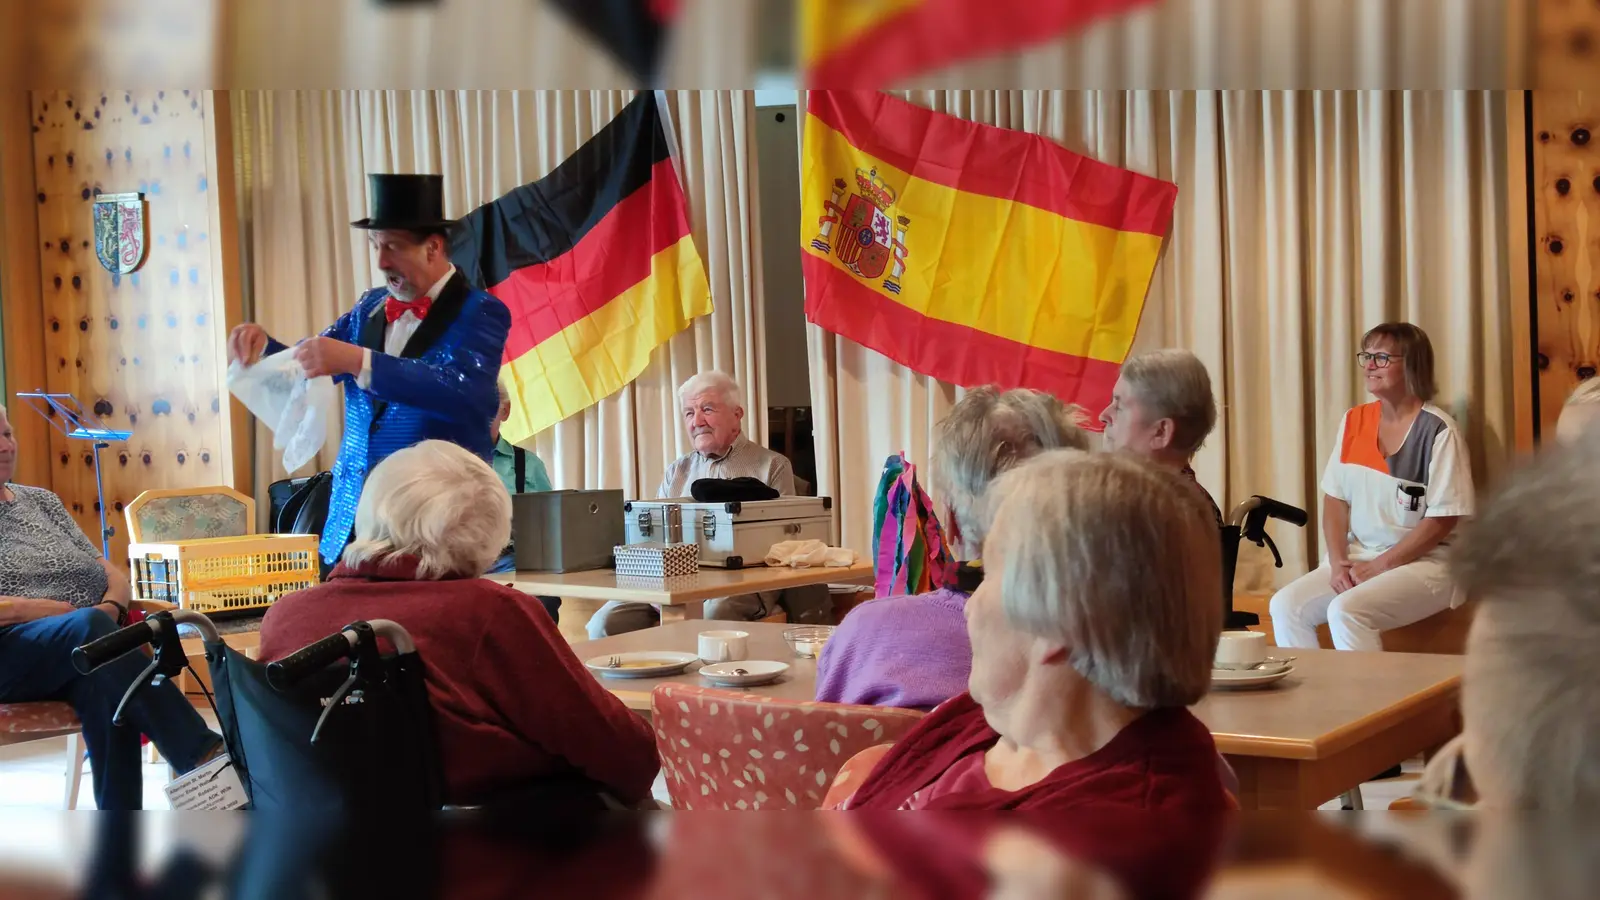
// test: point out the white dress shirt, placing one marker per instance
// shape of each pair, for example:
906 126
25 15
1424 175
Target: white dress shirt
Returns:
398 333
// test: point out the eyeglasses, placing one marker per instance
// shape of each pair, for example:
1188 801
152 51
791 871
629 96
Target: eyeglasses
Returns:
1382 359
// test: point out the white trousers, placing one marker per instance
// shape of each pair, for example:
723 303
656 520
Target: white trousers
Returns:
1394 599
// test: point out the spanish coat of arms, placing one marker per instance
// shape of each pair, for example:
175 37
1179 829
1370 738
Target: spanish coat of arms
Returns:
119 234
861 232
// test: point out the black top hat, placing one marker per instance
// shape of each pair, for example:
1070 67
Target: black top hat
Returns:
406 202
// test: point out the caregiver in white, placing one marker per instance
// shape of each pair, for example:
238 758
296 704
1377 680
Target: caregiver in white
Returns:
1396 485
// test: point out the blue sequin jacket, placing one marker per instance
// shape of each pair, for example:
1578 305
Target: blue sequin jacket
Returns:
442 387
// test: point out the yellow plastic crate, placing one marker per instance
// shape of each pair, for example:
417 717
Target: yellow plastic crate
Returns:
224 575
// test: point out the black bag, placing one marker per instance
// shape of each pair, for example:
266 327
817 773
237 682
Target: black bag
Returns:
304 508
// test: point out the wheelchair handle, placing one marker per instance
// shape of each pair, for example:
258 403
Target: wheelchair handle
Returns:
294 668
98 652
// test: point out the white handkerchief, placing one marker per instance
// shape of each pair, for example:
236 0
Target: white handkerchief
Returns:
809 554
296 409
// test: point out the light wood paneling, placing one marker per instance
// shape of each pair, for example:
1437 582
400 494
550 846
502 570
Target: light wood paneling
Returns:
143 351
19 292
1566 223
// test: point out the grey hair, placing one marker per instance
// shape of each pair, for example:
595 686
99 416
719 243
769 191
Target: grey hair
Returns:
1117 558
986 433
1531 692
721 382
1581 412
437 502
1174 384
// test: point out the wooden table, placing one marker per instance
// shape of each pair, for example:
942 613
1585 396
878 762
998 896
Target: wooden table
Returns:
766 642
1340 719
680 598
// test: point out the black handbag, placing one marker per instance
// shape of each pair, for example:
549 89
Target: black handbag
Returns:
305 510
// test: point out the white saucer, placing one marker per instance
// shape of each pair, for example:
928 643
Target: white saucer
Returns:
668 662
1234 679
755 671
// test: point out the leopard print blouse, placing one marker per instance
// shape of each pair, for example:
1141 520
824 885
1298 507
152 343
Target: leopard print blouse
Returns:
44 555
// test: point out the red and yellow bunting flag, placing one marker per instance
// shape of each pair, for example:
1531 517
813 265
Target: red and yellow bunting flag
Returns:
974 254
875 43
596 264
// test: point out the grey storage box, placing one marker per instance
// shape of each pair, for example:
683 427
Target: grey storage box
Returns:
731 535
566 531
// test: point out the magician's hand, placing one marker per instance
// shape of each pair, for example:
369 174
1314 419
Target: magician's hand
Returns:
325 356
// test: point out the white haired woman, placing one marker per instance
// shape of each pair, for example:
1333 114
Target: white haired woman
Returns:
1530 689
1395 486
912 651
511 703
1093 630
1162 409
1581 411
57 593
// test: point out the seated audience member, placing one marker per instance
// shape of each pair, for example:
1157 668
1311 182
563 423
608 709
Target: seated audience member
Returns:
1531 717
58 593
912 651
1396 484
528 478
1162 409
1581 412
512 705
1080 681
712 406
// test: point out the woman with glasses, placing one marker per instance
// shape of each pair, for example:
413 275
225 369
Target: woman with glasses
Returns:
1396 484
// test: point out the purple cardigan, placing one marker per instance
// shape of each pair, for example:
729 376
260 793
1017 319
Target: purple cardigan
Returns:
908 651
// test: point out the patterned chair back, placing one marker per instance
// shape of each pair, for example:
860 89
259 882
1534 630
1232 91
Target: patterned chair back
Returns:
733 750
187 514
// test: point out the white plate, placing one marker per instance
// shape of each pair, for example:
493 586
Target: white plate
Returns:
668 662
1272 665
755 671
1227 680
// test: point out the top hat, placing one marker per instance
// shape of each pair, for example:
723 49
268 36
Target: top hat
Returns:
405 202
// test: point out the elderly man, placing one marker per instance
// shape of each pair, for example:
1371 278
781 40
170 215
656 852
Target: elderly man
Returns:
713 412
1162 409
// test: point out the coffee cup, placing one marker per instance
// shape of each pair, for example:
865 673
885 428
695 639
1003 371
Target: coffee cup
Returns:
1241 649
724 646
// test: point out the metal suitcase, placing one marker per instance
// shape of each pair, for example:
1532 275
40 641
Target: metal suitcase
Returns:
730 535
566 531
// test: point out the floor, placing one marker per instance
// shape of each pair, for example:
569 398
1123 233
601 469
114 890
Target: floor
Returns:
34 776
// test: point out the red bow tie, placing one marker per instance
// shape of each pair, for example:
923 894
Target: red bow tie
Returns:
394 307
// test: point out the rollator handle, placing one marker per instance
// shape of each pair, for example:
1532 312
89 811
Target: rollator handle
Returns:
97 653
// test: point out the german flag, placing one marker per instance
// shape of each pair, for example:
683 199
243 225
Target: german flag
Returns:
874 43
974 254
596 264
634 31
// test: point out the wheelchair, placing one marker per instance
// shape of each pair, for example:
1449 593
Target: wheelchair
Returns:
1247 522
306 734
338 728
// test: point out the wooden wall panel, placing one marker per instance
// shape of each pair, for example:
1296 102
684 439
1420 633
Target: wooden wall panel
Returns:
144 351
1566 222
19 290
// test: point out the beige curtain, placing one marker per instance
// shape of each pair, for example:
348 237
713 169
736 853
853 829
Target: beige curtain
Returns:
1262 44
304 158
1303 219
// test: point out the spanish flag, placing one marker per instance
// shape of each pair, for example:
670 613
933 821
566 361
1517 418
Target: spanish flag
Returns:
596 264
875 43
974 254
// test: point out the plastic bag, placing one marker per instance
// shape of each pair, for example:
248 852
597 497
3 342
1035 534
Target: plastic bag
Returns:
296 409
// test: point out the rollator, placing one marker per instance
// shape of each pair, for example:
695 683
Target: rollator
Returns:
1248 522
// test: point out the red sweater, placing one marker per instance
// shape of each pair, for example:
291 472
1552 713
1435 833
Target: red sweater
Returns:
510 700
1165 759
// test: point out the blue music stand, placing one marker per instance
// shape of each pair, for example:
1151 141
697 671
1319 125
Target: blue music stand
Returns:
76 423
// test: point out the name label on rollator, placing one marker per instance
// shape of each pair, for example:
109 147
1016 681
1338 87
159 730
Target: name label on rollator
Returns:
214 785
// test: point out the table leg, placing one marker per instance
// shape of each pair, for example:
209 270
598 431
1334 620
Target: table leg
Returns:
682 612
